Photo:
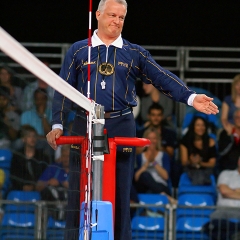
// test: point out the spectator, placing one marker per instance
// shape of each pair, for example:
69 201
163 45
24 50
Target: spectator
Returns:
9 120
15 92
53 183
229 145
28 164
155 120
56 174
230 104
153 167
198 152
228 194
28 100
39 116
152 95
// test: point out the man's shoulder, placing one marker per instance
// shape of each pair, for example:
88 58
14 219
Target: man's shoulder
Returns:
79 44
132 46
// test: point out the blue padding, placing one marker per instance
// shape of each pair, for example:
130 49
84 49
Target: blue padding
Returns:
100 235
104 218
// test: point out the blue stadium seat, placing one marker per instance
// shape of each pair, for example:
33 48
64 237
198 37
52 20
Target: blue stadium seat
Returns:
5 158
196 204
20 196
55 229
147 228
191 228
185 186
18 226
152 198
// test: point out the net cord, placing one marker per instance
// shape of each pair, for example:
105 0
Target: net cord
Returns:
21 55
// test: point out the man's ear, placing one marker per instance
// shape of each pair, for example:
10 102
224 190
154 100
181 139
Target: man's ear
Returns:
98 13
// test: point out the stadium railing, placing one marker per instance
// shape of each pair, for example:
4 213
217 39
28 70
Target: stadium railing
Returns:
171 222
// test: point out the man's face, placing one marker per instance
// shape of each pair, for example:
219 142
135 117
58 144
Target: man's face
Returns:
111 19
155 117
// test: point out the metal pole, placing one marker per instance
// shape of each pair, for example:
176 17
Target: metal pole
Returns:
98 148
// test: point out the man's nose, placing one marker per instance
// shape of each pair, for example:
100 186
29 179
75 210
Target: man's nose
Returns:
117 20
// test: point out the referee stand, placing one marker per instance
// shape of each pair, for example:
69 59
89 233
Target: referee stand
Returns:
103 183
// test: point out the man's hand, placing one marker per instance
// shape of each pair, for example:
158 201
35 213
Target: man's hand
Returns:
52 136
203 103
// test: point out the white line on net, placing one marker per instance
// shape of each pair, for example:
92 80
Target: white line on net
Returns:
17 52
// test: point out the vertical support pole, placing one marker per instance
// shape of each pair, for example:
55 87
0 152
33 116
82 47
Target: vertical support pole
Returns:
38 220
98 157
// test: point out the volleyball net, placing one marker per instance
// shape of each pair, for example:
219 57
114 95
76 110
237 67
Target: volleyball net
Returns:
27 60
87 156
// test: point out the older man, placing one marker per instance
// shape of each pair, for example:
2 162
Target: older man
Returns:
115 65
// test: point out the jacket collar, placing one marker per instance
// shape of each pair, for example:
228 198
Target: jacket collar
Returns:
96 41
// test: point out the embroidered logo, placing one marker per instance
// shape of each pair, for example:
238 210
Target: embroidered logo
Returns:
123 64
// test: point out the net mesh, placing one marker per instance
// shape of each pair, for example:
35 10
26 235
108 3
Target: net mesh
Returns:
35 172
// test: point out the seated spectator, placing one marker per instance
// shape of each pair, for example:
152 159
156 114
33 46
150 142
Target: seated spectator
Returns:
15 92
230 104
56 174
153 167
152 95
28 100
225 220
155 120
9 120
229 145
228 194
39 116
53 183
29 163
198 152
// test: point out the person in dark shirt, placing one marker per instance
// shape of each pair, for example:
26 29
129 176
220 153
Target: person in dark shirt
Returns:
198 152
229 145
29 163
167 134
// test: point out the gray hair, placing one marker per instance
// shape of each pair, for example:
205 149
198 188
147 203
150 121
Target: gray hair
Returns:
102 3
